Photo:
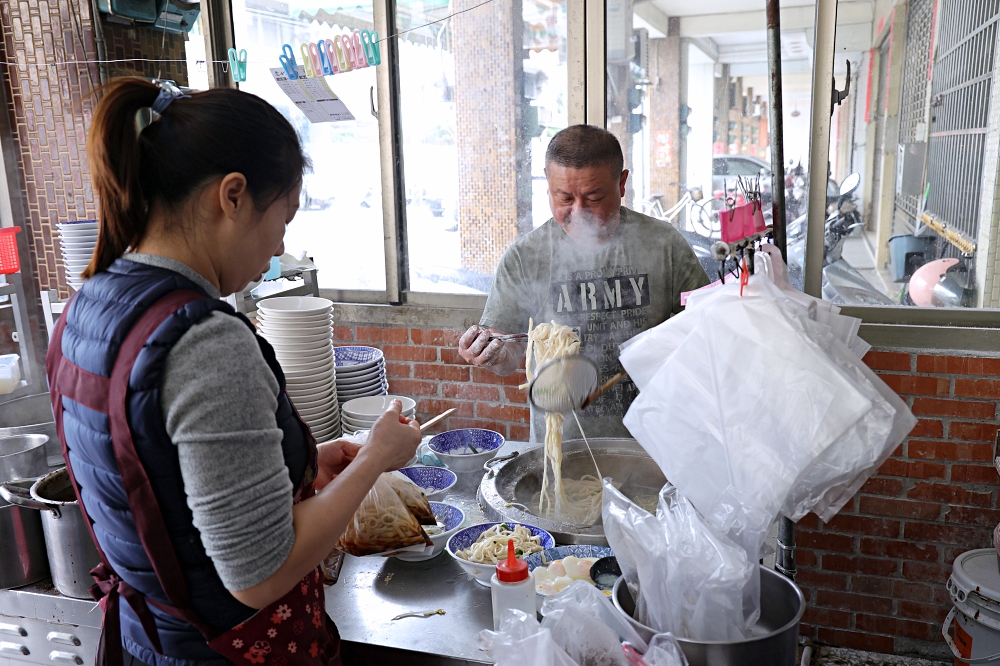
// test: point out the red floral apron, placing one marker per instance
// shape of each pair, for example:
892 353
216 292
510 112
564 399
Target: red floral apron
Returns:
292 631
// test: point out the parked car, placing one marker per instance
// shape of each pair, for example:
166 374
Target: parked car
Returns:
726 168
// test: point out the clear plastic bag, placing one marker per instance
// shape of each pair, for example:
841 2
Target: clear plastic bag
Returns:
413 497
582 597
383 524
521 641
664 650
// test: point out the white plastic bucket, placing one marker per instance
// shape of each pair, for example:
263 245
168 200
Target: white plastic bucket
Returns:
974 587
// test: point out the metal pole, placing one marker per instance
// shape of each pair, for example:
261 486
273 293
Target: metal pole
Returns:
819 145
784 559
777 126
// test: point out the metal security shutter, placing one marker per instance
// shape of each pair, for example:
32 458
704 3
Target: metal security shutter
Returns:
960 101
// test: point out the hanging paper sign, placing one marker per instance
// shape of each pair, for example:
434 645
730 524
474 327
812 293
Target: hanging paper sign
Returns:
312 96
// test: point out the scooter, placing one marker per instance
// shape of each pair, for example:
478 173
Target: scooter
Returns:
842 284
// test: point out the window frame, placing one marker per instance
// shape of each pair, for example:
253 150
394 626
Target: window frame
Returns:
941 328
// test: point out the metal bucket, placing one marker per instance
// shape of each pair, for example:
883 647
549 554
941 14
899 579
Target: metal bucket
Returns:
773 640
32 415
71 550
22 457
22 543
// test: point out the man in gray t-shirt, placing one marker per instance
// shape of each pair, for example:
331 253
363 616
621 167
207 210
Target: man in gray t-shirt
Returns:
607 271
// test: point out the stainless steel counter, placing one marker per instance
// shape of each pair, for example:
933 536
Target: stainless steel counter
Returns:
372 590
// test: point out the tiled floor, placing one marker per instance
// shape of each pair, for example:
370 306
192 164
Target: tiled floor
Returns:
827 656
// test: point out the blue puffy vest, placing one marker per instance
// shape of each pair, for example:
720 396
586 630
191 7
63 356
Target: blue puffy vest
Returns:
101 315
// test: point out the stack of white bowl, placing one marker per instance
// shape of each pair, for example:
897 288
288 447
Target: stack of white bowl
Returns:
300 330
360 372
78 240
361 413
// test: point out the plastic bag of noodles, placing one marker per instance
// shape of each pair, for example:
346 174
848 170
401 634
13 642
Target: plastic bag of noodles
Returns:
383 524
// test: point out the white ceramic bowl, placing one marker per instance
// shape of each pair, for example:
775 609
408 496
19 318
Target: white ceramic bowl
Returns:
453 517
361 386
309 338
357 371
375 406
325 371
285 305
314 401
465 537
318 384
305 365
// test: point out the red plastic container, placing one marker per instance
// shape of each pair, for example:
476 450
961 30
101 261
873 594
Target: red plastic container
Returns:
10 262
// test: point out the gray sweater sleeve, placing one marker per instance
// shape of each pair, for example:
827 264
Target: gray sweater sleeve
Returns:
219 399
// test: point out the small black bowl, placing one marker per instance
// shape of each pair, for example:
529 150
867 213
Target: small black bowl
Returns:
604 572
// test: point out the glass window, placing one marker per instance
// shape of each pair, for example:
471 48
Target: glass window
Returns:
912 227
481 95
339 222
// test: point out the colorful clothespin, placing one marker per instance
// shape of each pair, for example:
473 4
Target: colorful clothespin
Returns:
287 60
317 61
324 58
306 60
238 64
366 44
331 55
342 58
359 52
376 46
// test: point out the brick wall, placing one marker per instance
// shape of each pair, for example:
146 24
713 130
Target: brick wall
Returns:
874 577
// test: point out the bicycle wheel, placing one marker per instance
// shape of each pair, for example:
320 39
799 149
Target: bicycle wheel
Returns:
705 219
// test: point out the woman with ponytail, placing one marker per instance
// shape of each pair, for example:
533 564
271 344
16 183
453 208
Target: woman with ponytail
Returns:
209 501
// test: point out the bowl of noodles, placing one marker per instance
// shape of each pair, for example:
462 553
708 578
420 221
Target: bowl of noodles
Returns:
467 449
477 549
449 519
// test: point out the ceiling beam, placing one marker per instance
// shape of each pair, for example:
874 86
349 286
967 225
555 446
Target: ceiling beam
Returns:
792 18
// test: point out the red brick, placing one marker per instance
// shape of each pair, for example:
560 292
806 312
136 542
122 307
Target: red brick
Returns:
433 407
864 525
900 550
880 360
915 385
457 422
967 515
827 617
958 408
938 533
450 356
410 353
894 626
342 334
503 413
913 470
853 602
411 387
484 376
902 589
519 433
958 365
875 585
810 521
941 595
397 370
855 640
976 432
379 334
974 474
881 506
435 337
833 581
471 392
865 565
947 494
515 396
452 373
977 388
824 541
805 557
949 450
878 485
928 428
915 610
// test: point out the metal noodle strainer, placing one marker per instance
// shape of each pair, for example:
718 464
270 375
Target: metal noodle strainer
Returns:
568 383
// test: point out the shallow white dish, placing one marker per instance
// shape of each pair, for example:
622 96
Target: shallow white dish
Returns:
375 406
361 386
453 517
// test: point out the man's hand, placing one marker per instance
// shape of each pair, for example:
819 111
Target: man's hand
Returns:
500 357
332 459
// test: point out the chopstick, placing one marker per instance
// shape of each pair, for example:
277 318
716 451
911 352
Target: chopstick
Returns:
425 426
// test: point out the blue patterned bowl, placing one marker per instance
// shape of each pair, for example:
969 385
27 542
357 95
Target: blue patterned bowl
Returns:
355 357
452 518
452 448
435 481
464 538
550 555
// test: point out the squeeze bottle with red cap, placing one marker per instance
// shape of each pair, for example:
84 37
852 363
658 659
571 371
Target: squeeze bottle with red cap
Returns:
512 586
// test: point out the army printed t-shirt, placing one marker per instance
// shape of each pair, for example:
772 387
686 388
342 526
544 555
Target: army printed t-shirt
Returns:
607 294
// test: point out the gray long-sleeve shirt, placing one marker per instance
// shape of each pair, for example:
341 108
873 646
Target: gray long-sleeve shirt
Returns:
219 399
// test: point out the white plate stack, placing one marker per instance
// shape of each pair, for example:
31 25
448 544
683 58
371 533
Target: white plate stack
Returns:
300 330
361 413
78 240
360 372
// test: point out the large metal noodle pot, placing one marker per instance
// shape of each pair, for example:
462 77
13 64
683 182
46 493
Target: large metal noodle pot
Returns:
508 488
71 551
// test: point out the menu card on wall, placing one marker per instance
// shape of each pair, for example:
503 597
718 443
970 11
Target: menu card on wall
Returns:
312 96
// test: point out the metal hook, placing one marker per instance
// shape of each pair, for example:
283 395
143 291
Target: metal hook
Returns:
371 98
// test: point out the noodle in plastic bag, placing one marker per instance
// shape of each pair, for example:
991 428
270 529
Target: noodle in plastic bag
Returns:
382 524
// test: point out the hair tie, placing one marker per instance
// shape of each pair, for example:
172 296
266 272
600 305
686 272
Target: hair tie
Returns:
168 93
